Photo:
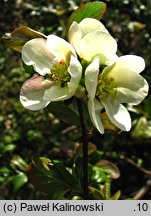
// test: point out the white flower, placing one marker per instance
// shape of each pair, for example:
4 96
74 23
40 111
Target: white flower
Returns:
56 59
90 38
118 83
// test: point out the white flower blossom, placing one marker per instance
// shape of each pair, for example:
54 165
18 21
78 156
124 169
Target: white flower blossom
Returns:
118 83
55 59
90 38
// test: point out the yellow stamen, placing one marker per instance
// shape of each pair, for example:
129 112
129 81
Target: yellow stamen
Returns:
59 74
105 87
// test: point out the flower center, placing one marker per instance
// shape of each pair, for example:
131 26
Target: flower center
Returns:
105 87
59 74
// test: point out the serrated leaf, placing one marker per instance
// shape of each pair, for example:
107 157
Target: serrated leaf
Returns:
50 177
109 168
20 36
89 10
64 113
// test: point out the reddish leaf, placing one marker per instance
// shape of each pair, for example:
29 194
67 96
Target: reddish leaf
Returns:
20 36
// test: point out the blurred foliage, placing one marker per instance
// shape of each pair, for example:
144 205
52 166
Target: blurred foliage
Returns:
24 133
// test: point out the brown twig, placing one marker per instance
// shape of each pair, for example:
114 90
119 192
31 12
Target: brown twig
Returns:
148 172
142 191
68 129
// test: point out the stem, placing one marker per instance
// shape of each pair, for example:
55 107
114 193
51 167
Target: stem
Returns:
142 191
108 188
85 141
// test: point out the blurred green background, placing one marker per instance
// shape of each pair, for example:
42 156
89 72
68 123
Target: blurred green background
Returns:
24 133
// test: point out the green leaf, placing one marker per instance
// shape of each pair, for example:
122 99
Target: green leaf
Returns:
18 163
29 69
147 106
116 196
89 10
109 168
78 172
62 171
107 188
97 174
78 162
79 150
18 181
142 129
9 147
20 36
64 113
96 194
50 177
4 171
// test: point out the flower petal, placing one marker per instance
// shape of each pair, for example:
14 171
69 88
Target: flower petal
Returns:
57 93
130 62
78 31
135 94
131 86
88 25
75 35
35 53
98 43
75 71
94 108
91 77
60 48
117 113
32 91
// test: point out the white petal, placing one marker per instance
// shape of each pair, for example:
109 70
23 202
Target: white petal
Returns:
35 53
33 105
75 71
78 31
94 108
117 113
91 77
131 62
98 43
60 48
75 34
32 91
88 25
131 86
57 93
135 94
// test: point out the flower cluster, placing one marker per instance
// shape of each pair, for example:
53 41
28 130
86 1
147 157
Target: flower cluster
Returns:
109 80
